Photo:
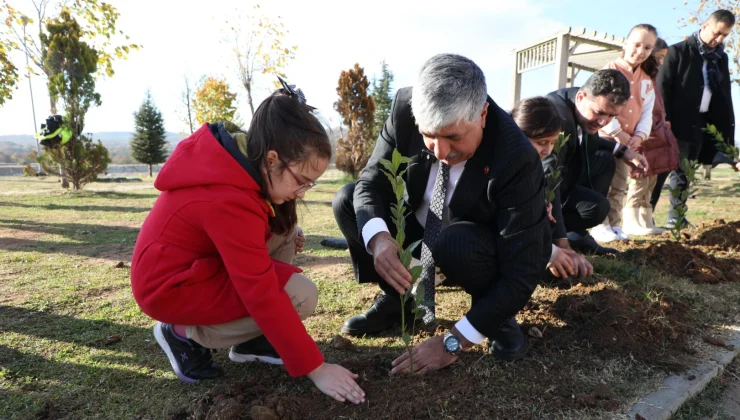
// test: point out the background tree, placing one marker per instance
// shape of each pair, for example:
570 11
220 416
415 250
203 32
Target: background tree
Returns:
8 72
149 145
186 101
82 160
357 110
214 102
257 46
382 98
98 28
706 8
71 65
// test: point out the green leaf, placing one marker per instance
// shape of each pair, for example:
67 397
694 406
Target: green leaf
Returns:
399 191
419 313
406 338
396 160
388 165
405 258
420 292
401 236
413 245
415 272
427 303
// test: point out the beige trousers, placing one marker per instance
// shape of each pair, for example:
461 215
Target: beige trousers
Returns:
640 190
616 194
302 291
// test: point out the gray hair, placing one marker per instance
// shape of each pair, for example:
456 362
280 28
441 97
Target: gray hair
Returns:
450 88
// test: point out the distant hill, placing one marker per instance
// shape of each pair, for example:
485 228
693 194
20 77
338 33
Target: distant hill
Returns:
15 147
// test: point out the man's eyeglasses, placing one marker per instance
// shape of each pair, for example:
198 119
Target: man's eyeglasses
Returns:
303 187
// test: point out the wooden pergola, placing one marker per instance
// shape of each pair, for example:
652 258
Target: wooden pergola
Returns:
570 50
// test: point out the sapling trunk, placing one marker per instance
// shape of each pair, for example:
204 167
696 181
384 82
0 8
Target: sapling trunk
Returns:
689 168
398 213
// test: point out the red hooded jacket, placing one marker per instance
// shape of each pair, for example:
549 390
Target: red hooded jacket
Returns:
201 256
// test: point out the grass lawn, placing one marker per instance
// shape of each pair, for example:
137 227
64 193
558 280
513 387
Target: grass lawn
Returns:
73 343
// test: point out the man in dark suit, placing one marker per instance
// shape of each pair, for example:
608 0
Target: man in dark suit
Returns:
695 83
494 240
587 160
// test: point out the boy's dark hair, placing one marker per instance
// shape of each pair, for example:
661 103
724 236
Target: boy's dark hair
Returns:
610 83
724 16
286 125
660 44
650 65
537 117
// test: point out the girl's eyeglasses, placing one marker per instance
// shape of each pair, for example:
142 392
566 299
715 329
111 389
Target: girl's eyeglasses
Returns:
303 187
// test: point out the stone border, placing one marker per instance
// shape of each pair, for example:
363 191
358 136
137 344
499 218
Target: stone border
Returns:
677 389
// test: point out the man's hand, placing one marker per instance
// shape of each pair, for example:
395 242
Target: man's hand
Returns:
429 356
387 264
638 163
736 167
634 143
300 240
561 265
548 205
581 265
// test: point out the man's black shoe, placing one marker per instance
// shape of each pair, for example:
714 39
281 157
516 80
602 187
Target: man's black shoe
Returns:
722 158
509 343
189 360
588 245
382 315
257 348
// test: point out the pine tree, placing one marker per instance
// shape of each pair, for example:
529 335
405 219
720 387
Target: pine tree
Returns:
357 110
383 99
149 145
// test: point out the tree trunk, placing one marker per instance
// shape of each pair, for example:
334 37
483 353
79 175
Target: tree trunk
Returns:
150 170
249 97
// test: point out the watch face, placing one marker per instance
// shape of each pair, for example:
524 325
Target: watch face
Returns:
451 344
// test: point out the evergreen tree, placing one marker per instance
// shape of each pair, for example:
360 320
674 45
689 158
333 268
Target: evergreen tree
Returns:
71 65
149 145
382 98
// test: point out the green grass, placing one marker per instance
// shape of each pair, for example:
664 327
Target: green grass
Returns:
62 295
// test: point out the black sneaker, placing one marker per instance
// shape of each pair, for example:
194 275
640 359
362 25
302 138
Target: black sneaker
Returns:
382 315
255 349
189 360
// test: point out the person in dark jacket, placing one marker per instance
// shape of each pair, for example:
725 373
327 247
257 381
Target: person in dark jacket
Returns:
587 160
538 118
201 266
475 188
695 83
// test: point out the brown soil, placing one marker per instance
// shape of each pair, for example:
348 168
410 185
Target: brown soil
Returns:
613 323
684 260
583 326
718 235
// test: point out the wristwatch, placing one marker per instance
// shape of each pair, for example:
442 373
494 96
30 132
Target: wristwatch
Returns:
452 344
620 152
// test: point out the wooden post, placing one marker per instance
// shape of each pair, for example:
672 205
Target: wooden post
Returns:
517 87
562 55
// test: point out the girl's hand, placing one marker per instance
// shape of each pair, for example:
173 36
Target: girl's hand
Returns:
300 240
337 382
635 143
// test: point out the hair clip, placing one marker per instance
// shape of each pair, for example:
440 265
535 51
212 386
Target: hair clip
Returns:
292 91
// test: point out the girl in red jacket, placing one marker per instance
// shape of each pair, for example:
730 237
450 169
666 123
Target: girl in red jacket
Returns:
201 266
